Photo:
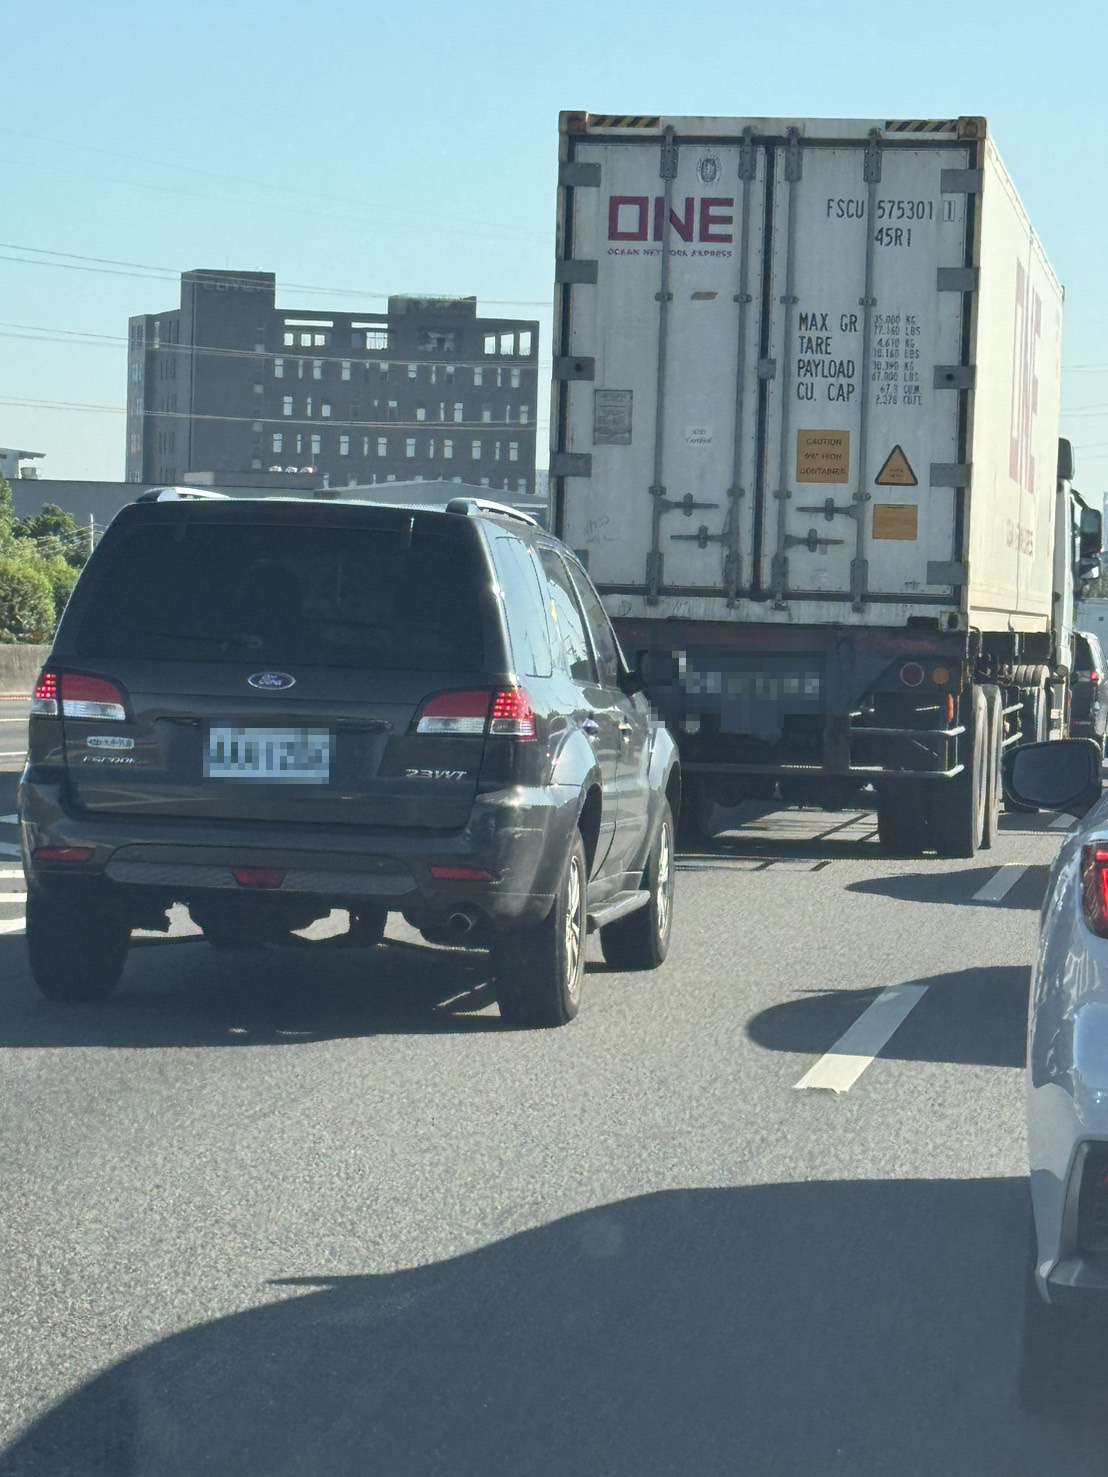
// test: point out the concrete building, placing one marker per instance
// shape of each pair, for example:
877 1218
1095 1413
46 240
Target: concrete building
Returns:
229 383
15 465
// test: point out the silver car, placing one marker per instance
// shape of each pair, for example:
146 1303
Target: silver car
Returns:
1067 1070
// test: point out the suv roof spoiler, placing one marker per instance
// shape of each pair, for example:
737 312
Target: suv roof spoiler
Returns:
178 495
468 506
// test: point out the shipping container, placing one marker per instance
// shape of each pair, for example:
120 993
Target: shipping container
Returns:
807 381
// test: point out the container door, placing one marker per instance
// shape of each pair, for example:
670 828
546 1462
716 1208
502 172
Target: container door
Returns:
661 361
861 440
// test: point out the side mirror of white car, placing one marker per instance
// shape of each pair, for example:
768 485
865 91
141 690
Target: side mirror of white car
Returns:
1063 775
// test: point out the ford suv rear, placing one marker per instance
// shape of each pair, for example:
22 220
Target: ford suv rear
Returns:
268 709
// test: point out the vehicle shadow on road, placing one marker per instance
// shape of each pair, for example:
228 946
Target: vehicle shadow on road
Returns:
957 887
180 992
844 1327
971 1017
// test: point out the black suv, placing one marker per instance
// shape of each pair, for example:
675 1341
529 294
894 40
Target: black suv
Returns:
266 709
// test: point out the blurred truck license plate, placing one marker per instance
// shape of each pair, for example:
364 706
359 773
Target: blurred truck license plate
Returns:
302 755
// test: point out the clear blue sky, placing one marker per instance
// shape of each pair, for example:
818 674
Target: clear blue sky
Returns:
412 147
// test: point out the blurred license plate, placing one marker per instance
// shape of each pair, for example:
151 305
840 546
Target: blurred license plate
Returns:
301 755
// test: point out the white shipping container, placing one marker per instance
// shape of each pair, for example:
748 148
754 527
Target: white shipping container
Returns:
806 371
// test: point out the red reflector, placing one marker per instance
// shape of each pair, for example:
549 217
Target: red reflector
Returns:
1094 676
258 876
1094 888
911 674
62 854
461 874
512 714
455 712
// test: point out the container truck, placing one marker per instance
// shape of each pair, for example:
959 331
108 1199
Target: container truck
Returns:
806 394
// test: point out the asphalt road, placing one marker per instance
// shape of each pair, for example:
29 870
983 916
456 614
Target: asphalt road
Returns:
314 1210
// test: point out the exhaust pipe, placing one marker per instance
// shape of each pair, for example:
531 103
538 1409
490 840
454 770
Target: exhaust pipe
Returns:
460 923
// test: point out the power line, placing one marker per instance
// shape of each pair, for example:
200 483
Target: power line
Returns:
33 334
147 272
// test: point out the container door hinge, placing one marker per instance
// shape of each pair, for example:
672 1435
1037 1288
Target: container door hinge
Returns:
653 577
813 541
859 578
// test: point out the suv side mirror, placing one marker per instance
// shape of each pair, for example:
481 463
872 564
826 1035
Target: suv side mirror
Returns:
1060 775
634 677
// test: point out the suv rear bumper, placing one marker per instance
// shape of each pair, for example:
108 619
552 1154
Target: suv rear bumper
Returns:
519 837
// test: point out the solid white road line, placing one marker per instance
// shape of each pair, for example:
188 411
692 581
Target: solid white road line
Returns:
1061 823
12 897
1000 884
12 925
840 1068
8 874
12 753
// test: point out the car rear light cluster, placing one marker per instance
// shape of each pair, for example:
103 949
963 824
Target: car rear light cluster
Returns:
1094 888
62 854
78 696
1092 1205
507 714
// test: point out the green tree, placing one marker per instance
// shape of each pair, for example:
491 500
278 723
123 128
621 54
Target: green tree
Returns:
62 577
54 531
27 602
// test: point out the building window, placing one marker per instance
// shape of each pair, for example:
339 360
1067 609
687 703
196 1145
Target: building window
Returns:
392 410
457 410
409 446
478 376
508 414
308 405
317 443
442 410
486 413
382 446
278 441
496 452
286 405
344 445
278 369
516 376
513 451
317 369
431 447
437 341
434 374
300 443
499 379
288 339
320 340
485 482
507 343
490 343
521 484
384 368
365 445
450 374
448 449
345 371
413 371
325 409
421 412
259 389
376 338
391 477
305 340
475 450
524 342
524 414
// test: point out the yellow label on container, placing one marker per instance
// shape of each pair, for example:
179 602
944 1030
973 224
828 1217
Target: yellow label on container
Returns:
895 520
822 456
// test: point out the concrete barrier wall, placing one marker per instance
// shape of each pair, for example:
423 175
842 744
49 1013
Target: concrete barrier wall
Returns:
19 666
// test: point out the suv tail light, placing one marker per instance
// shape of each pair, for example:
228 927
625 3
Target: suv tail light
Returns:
90 698
504 714
1094 888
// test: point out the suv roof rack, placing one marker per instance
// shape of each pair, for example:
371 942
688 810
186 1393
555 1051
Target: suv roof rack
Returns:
468 506
177 495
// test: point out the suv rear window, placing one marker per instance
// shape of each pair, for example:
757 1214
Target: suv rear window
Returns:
285 593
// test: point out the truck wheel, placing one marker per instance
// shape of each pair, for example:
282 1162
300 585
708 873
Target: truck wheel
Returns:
957 809
641 940
994 704
902 819
539 968
1035 726
77 952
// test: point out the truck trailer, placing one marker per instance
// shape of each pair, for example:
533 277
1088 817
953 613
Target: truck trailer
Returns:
805 436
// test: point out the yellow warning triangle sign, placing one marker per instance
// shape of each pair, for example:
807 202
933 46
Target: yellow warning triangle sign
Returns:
897 471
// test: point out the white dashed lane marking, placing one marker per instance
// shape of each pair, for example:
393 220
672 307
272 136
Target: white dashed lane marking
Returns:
999 884
838 1069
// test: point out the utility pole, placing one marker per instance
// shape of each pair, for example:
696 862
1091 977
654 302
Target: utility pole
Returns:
91 533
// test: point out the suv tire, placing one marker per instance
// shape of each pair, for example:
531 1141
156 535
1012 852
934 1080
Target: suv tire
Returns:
641 939
539 968
77 951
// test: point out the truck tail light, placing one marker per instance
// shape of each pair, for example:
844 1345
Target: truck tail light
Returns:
1094 888
267 877
504 714
76 695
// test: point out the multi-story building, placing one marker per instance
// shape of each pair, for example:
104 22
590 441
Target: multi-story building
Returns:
229 382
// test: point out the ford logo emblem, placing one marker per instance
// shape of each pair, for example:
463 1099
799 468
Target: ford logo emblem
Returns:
271 681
